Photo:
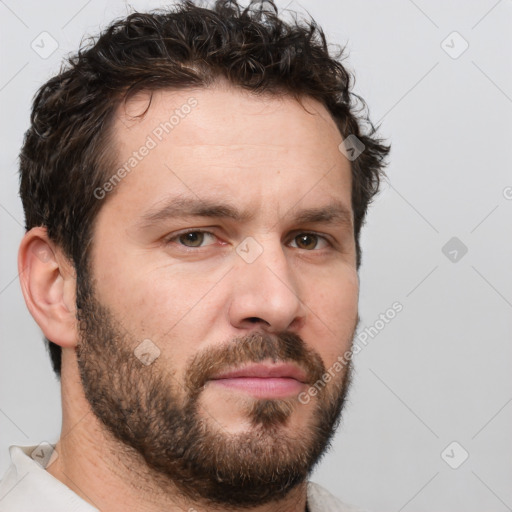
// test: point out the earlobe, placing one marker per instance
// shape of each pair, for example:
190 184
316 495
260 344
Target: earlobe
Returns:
48 284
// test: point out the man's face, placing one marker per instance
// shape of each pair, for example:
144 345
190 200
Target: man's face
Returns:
227 247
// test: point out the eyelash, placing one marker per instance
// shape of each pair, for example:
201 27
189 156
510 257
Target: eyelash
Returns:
177 235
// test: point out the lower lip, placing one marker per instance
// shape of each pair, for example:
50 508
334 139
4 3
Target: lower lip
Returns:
269 387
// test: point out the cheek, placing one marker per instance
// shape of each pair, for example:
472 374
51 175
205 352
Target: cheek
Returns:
180 309
333 312
172 308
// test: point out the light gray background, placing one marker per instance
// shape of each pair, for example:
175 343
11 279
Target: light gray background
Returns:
440 371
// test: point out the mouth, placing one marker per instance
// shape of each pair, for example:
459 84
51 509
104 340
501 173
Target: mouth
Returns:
263 380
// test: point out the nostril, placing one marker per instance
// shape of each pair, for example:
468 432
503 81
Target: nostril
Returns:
254 320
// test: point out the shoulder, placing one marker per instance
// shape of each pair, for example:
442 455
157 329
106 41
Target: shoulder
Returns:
321 500
28 487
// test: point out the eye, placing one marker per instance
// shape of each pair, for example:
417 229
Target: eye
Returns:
194 238
309 241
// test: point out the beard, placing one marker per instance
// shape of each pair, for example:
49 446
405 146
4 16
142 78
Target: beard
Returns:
160 418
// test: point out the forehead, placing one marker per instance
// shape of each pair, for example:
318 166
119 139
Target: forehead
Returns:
216 108
223 141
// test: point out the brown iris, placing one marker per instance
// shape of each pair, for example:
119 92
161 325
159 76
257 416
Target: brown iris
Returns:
306 241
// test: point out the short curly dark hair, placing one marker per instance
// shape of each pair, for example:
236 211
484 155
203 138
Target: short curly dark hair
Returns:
67 151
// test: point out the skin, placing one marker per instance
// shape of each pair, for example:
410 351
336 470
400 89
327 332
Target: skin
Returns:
264 155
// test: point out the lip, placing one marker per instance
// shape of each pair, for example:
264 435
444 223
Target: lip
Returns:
270 381
265 371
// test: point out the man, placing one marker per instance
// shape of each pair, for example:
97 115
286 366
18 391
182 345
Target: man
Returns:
194 185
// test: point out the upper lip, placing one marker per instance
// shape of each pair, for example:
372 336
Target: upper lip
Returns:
283 370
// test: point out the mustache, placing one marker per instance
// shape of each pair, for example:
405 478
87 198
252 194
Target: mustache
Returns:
281 347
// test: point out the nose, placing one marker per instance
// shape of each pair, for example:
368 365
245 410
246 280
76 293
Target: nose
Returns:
265 292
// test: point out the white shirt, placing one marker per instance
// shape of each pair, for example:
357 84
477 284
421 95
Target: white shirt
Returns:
28 487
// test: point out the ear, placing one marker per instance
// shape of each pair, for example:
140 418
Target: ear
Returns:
48 282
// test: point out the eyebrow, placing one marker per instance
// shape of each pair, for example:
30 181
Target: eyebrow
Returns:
334 213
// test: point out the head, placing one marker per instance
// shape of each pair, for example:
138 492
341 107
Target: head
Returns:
189 173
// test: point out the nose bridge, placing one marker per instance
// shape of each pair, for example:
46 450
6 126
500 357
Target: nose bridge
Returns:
265 286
